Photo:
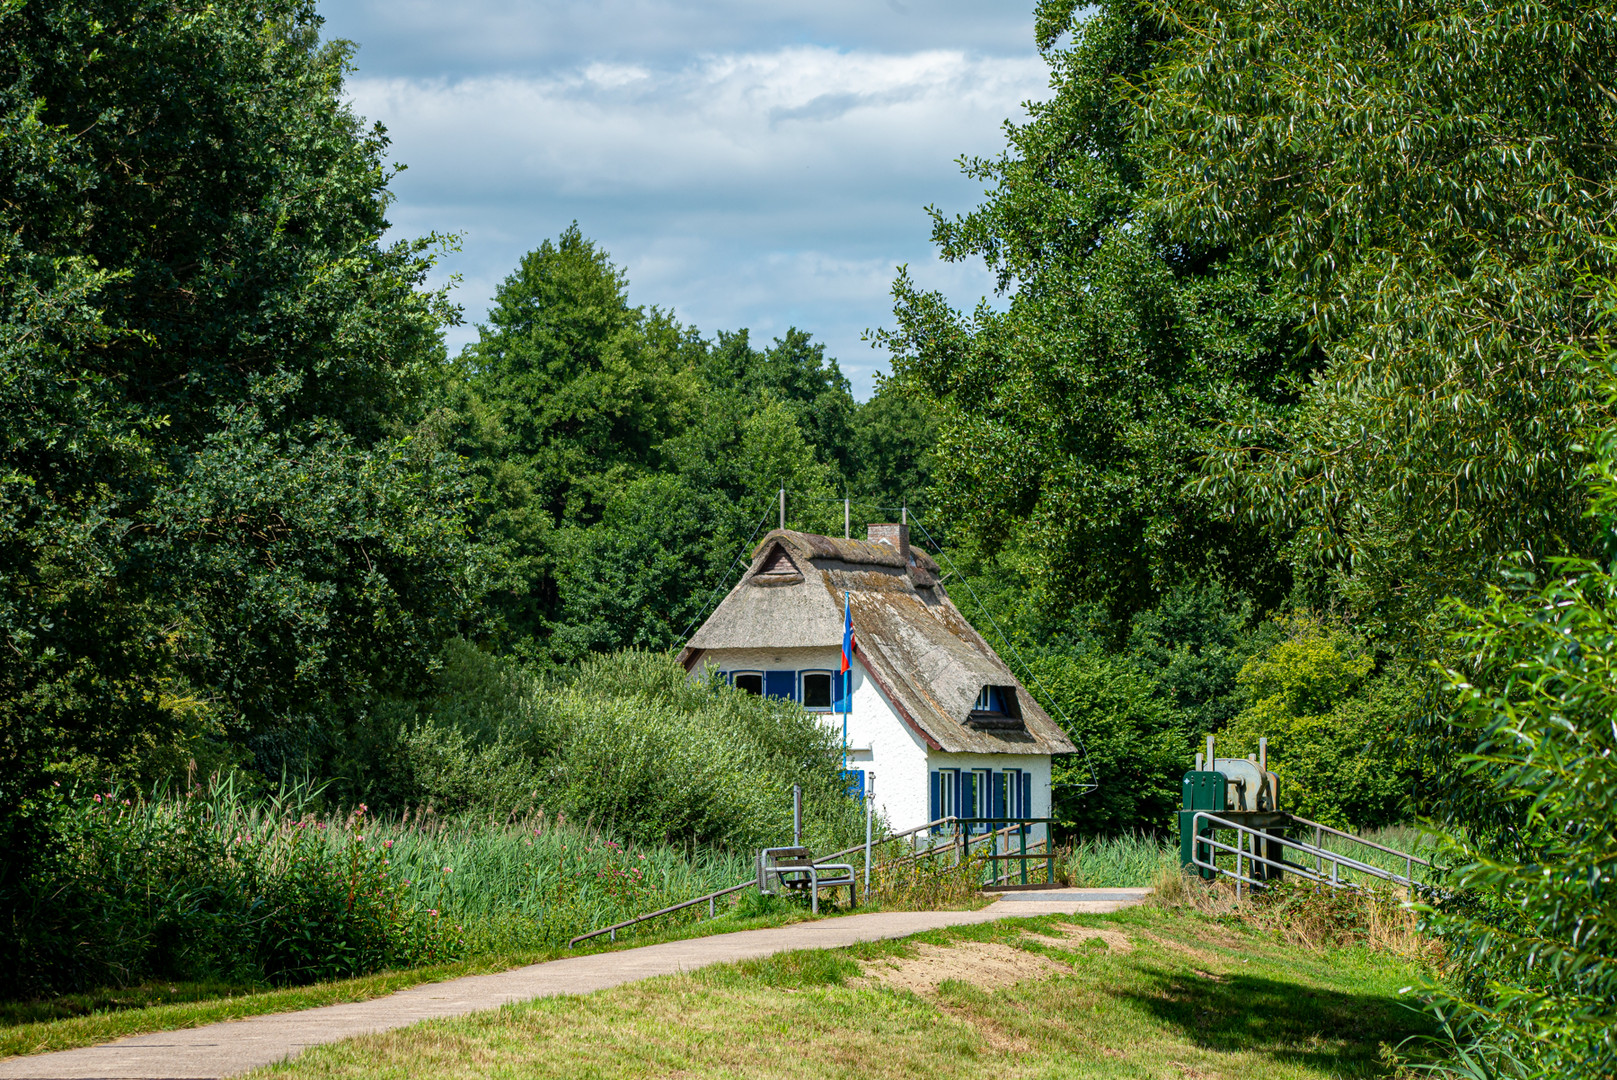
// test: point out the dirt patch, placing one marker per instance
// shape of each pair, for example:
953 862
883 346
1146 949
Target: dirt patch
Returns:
984 964
1201 956
1115 939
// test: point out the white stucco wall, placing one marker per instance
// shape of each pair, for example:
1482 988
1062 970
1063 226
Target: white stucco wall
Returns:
880 742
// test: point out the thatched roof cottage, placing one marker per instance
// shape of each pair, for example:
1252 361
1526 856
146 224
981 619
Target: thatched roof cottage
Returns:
936 718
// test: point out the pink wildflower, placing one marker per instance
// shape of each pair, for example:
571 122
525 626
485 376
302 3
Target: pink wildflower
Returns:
387 844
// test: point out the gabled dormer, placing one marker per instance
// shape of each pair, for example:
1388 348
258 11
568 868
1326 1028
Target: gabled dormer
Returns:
777 568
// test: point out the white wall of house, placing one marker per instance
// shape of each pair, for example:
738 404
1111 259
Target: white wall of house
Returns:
879 741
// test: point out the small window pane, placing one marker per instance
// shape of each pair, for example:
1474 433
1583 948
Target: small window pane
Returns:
751 683
817 690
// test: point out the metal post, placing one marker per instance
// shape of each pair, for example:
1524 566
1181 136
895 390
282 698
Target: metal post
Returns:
783 506
710 910
870 813
1238 882
1022 832
797 815
1209 738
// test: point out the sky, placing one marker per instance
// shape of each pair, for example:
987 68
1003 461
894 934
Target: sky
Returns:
757 165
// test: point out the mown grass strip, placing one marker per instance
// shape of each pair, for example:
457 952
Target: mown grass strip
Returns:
1193 996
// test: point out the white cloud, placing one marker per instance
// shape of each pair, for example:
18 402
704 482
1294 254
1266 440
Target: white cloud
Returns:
749 188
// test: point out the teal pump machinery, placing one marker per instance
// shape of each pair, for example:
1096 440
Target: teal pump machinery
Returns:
1241 790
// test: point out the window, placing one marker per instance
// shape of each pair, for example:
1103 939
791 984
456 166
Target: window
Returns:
945 787
817 689
984 702
750 682
778 563
1019 793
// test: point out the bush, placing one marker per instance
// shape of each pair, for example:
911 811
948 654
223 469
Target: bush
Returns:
1334 729
629 743
1531 806
199 887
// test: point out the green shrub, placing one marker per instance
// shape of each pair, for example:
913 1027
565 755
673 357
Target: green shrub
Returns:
1531 805
629 743
199 886
1334 729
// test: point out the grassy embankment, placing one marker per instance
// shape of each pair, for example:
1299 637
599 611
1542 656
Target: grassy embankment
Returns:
492 877
1148 991
503 894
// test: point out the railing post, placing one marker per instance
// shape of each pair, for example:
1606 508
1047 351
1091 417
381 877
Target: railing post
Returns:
870 810
1021 832
1049 856
1238 851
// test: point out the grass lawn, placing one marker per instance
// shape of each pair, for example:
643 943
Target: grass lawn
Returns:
1141 993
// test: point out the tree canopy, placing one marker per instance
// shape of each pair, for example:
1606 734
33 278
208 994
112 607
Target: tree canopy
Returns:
209 509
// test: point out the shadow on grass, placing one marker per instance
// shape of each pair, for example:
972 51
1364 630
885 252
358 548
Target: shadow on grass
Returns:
1288 1021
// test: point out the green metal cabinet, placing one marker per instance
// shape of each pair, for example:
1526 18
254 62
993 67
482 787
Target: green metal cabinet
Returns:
1202 790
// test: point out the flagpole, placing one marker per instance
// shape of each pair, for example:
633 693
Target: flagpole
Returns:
847 676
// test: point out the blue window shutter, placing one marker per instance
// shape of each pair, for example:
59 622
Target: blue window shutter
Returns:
855 779
937 795
997 783
781 684
838 679
1027 794
968 794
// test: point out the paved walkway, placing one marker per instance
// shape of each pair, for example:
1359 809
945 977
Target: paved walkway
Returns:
226 1049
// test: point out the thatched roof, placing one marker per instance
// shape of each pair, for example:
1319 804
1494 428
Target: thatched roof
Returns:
913 641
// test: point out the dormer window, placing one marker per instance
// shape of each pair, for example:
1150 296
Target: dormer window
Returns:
778 562
996 706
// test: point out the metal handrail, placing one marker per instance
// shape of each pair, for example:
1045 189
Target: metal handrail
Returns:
1336 860
709 898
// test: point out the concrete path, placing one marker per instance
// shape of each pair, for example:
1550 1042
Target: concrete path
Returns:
226 1049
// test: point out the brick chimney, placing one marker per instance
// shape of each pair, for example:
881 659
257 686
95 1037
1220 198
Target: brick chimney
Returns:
895 536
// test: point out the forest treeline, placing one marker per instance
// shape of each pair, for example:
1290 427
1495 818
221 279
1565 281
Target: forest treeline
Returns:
1295 420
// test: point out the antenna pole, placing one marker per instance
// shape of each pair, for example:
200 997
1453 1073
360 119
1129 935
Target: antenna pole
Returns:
783 506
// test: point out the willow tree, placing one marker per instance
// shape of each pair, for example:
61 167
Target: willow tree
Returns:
1074 416
1432 185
